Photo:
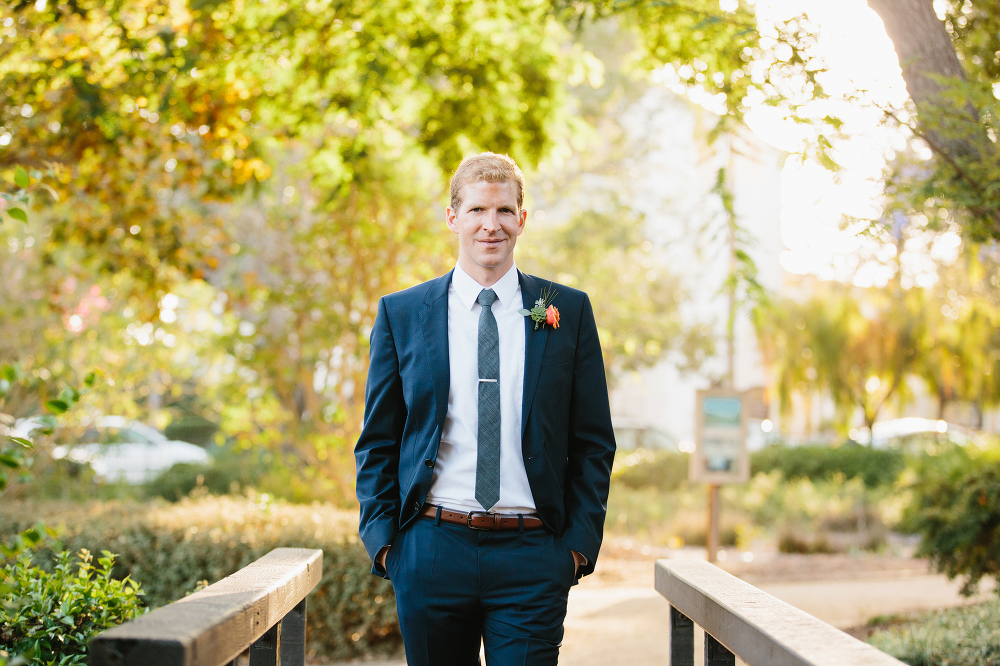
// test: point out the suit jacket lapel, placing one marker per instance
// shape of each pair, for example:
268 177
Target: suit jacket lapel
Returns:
434 317
534 344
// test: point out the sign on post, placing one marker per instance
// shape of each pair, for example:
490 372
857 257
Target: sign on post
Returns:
720 454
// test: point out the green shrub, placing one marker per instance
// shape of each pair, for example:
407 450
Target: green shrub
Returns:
958 520
169 548
876 467
646 468
969 636
790 541
838 504
668 470
191 428
220 477
231 472
51 617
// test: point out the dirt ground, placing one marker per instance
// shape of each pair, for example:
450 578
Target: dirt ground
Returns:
616 617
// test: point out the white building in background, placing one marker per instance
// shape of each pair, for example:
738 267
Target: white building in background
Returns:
672 172
686 218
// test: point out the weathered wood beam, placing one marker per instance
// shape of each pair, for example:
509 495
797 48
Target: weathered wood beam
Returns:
756 627
213 626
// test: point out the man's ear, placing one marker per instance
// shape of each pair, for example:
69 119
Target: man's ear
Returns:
520 224
450 215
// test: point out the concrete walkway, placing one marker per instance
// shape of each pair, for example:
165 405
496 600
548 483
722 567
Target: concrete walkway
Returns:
616 617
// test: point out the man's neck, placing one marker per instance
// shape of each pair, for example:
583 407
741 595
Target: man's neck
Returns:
485 276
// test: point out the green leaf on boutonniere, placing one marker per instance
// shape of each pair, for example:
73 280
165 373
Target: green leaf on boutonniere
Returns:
523 312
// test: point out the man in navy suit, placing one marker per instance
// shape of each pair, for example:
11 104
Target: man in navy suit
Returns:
485 457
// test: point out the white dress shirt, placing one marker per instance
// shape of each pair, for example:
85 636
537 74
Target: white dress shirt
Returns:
454 482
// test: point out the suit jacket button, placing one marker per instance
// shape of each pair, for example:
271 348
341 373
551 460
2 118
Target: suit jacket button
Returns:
429 462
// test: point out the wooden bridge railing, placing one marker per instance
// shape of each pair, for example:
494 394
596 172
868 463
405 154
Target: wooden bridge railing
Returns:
741 621
262 606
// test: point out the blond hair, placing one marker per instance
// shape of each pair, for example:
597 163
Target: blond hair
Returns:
488 167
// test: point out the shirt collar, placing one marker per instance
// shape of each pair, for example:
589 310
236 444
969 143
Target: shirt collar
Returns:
468 289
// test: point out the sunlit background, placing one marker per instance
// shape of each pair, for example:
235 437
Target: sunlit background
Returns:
202 204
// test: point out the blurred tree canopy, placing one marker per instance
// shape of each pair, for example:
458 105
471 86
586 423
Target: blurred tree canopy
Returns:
636 298
234 184
858 348
151 110
291 154
861 347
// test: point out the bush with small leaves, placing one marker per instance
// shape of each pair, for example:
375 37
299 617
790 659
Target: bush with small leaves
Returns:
172 547
876 467
50 617
969 636
959 524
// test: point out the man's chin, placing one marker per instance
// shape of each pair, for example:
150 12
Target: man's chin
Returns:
492 260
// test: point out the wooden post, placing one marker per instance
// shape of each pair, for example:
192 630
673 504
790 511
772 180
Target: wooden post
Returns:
712 531
716 653
293 636
264 651
681 639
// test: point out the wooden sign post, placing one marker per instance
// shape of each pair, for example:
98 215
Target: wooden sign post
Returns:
720 454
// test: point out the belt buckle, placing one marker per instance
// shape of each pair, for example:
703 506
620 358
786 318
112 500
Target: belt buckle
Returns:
492 528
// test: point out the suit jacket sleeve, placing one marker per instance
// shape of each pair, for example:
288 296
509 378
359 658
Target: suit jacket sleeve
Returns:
377 450
591 446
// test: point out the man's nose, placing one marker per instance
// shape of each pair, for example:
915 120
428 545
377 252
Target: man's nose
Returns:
492 221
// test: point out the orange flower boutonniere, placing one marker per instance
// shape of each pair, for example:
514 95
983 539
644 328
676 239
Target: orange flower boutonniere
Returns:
552 316
543 312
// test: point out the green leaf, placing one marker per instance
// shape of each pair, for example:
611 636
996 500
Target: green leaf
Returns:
18 214
56 406
9 373
523 312
26 443
90 379
21 177
9 461
49 423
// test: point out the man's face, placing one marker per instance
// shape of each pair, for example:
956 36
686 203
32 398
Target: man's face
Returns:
487 223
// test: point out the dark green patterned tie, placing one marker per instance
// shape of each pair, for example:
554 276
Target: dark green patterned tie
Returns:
488 452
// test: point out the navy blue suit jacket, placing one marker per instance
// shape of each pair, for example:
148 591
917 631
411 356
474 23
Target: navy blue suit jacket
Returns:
566 436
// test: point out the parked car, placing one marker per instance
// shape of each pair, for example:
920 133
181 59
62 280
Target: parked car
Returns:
916 434
116 448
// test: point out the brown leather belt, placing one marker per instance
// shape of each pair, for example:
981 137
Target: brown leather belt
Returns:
481 520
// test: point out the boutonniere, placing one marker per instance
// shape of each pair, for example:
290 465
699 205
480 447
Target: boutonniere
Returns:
543 312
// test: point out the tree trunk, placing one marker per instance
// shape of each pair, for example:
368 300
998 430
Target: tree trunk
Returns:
922 44
926 55
871 413
925 52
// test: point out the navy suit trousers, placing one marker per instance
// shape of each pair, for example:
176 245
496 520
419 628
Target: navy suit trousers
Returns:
456 587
